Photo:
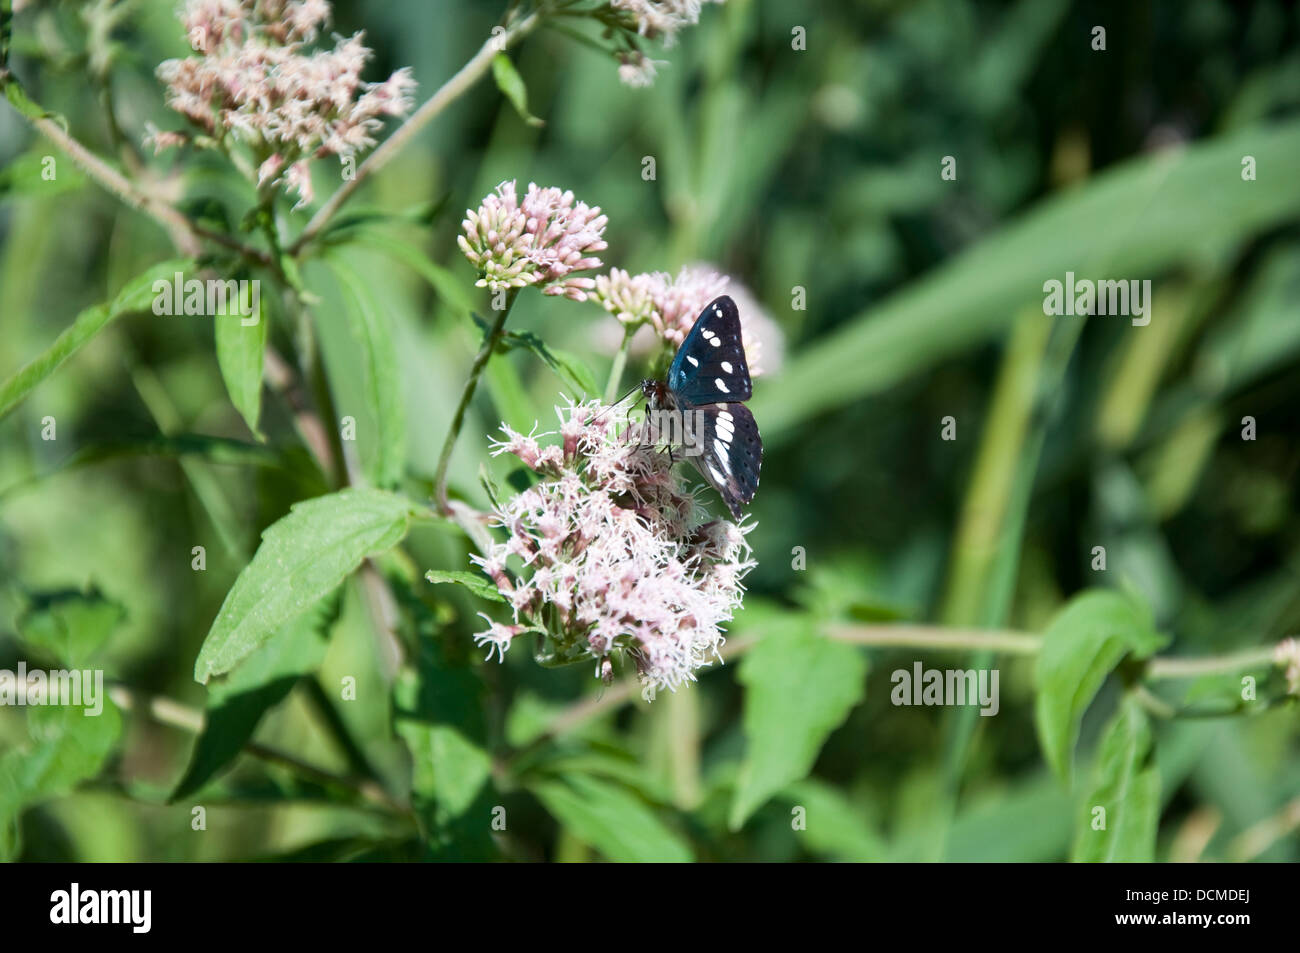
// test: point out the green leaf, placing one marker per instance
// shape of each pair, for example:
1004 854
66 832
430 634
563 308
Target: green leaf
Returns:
26 174
382 381
834 827
25 104
1082 645
295 462
69 745
530 717
500 377
440 717
1139 218
302 558
360 221
1127 787
241 349
570 369
136 295
786 721
512 87
236 704
69 625
1026 821
449 289
475 583
451 768
612 819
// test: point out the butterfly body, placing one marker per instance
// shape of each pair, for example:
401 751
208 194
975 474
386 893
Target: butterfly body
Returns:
709 376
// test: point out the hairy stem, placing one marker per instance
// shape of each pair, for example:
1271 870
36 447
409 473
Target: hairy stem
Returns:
1210 664
186 234
183 231
938 637
458 419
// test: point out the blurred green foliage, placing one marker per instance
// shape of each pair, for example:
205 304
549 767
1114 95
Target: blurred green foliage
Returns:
346 734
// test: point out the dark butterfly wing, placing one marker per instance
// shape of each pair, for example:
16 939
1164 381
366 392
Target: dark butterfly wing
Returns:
710 365
732 453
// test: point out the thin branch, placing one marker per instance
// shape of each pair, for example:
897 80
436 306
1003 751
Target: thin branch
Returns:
467 76
186 234
172 713
922 637
615 697
937 637
385 616
282 379
1179 667
490 339
1153 703
178 226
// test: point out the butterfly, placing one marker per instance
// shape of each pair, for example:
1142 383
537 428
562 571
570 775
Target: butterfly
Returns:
709 376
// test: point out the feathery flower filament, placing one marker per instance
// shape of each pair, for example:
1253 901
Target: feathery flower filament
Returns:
614 553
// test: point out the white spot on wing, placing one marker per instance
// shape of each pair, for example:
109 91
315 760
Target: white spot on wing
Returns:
716 475
714 340
722 385
694 362
726 367
721 447
725 415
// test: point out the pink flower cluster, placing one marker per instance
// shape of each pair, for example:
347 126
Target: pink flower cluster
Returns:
252 79
637 70
655 20
661 19
540 241
671 305
616 556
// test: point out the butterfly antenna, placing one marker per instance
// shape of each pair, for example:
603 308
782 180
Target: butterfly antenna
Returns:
634 389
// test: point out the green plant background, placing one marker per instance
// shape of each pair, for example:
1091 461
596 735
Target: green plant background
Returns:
816 169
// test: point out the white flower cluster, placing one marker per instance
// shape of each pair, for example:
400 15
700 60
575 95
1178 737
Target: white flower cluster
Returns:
614 555
253 80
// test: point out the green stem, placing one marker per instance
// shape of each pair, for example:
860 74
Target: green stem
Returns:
938 637
987 544
1179 667
458 419
620 362
922 637
166 711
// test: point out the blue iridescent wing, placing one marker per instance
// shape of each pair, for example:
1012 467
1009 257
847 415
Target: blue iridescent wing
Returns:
710 365
731 453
